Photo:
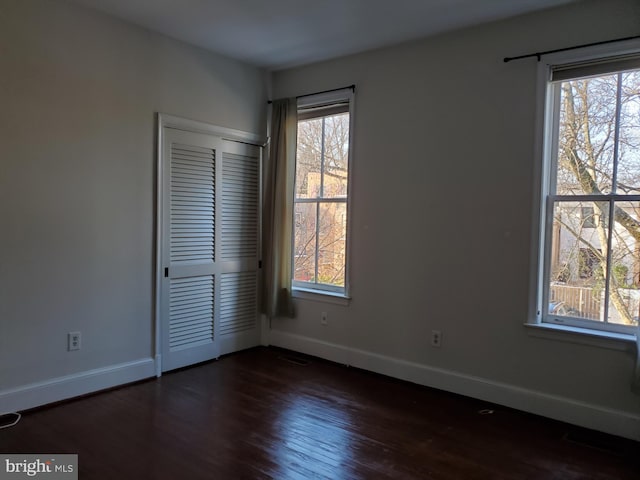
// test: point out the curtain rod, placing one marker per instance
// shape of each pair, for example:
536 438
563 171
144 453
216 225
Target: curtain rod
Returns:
352 87
539 54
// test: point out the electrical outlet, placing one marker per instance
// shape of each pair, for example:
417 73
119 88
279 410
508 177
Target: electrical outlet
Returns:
74 340
436 338
324 319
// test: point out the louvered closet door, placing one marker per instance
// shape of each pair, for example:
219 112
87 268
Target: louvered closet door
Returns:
190 238
238 253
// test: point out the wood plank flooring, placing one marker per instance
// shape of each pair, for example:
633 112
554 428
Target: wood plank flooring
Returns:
258 414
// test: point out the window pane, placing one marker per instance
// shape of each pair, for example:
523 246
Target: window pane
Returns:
332 244
309 158
304 257
336 159
586 136
624 293
578 259
629 143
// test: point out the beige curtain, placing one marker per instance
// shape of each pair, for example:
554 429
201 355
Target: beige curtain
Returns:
279 176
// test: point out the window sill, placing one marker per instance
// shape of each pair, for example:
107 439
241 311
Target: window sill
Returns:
320 296
584 336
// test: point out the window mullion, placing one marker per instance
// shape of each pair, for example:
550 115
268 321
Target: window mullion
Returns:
323 200
595 198
607 281
322 151
317 241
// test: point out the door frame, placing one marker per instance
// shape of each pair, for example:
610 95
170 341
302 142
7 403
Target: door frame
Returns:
179 123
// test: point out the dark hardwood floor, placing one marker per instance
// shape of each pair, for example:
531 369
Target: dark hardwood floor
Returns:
258 414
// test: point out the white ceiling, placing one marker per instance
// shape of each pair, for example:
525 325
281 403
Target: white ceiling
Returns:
277 34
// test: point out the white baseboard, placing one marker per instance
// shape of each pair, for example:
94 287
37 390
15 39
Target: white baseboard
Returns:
239 341
265 327
69 386
616 422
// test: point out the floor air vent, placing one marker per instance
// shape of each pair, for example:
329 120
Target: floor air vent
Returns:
294 360
597 440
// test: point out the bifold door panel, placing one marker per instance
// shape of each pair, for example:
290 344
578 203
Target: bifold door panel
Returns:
209 247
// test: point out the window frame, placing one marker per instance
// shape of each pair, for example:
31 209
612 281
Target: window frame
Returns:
308 290
547 130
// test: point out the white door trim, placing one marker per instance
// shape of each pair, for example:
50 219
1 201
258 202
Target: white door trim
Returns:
180 123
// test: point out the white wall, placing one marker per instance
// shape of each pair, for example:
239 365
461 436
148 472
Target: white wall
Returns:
78 97
442 201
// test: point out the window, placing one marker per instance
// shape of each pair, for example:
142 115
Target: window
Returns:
321 202
590 229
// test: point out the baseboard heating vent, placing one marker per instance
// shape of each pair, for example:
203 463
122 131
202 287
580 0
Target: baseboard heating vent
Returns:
295 360
597 440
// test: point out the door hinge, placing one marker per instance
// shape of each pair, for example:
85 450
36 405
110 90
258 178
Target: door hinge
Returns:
259 263
166 272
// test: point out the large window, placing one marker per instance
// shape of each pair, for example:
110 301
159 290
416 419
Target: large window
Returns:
322 193
590 267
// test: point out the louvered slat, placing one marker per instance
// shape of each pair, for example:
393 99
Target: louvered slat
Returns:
192 204
191 311
238 300
239 226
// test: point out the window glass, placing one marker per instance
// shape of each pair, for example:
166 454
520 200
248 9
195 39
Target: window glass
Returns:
592 249
321 199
